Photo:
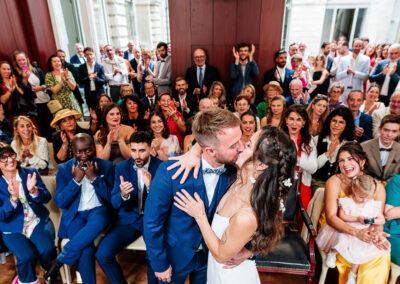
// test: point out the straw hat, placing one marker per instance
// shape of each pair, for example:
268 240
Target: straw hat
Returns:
274 84
63 114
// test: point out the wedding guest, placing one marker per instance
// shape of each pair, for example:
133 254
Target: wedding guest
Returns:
248 126
317 112
276 112
134 114
242 105
371 102
335 92
217 89
272 89
95 114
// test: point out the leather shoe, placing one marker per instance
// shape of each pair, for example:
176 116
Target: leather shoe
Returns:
51 275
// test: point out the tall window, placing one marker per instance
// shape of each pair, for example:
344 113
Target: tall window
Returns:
339 21
100 18
130 13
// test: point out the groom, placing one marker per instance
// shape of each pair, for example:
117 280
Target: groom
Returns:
175 246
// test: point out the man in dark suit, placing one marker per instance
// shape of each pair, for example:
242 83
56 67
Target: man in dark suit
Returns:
383 152
362 121
132 183
83 193
129 53
280 73
200 76
78 58
387 74
326 49
134 63
150 99
185 104
175 246
91 76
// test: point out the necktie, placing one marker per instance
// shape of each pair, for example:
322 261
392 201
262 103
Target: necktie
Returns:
140 206
385 149
151 103
218 171
201 77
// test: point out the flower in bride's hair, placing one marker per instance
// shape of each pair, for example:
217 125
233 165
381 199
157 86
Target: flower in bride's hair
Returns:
282 205
287 182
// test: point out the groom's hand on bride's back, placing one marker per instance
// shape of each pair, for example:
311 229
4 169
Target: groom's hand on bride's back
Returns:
164 276
241 256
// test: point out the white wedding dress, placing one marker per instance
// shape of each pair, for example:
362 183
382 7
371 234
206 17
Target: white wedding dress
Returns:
246 272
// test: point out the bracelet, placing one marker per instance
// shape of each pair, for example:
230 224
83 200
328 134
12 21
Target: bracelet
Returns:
201 215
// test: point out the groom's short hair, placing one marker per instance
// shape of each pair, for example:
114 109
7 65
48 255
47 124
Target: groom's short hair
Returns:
208 123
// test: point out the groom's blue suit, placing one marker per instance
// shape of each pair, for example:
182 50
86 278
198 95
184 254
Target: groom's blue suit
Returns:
173 237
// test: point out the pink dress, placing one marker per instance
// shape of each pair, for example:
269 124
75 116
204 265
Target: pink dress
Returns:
350 247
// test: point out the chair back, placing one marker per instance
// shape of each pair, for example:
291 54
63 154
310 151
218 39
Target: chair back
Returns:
55 212
314 210
291 212
51 155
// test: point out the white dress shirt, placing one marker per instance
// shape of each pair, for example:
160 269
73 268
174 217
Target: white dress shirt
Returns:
281 72
210 180
89 198
384 154
141 186
385 85
91 70
181 103
109 66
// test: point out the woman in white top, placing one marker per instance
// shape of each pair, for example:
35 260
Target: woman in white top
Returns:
371 102
32 150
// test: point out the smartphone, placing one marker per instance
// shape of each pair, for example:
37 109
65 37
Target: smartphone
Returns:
172 104
25 68
369 221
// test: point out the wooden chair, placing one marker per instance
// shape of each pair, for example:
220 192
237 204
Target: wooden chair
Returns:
394 273
51 155
293 255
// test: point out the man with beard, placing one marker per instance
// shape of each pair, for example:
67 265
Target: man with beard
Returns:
280 72
163 76
83 193
132 183
326 49
187 105
244 69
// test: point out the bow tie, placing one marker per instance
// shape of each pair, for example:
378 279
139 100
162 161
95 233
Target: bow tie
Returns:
385 149
218 171
163 60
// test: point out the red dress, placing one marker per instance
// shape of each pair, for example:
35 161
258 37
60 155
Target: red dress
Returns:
304 189
173 128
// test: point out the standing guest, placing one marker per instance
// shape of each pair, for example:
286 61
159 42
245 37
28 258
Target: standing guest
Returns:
184 103
111 139
296 94
126 90
378 52
115 72
317 112
150 99
217 89
293 50
61 83
335 92
320 78
248 126
132 182
271 90
95 114
385 51
83 193
32 150
242 105
343 50
276 112
201 75
163 74
280 72
387 74
65 120
146 69
91 76
78 59
353 69
296 125
362 121
36 80
326 49
337 130
334 47
173 117
244 69
6 130
299 70
131 71
393 108
164 144
371 102
129 53
383 152
26 228
135 61
303 52
15 97
134 114
370 51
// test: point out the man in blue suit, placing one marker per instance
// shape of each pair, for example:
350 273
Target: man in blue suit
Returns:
362 121
78 58
244 69
83 192
132 182
326 49
91 76
175 246
387 74
280 73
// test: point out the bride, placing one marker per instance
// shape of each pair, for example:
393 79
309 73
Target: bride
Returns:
252 209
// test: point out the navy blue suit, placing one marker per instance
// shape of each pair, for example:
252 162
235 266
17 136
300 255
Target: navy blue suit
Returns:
270 76
12 222
172 237
146 103
366 123
329 63
290 101
238 81
82 227
378 77
75 60
129 223
92 96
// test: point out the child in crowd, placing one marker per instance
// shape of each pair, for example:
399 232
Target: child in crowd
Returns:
360 211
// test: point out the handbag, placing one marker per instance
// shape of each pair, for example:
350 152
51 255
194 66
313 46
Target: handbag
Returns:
54 106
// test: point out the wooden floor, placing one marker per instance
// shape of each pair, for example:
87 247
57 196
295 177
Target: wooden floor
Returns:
134 266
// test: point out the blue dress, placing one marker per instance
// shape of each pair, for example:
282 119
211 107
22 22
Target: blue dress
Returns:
392 227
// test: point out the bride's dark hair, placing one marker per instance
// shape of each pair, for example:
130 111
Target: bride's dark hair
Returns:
276 150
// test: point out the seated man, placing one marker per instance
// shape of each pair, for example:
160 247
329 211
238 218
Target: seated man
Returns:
362 121
383 152
296 94
132 182
83 191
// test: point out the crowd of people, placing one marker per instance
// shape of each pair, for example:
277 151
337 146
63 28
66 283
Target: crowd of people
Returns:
334 116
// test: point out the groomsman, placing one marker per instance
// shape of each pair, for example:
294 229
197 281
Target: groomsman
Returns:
132 182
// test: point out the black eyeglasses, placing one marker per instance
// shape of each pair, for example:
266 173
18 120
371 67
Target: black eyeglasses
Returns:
4 158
